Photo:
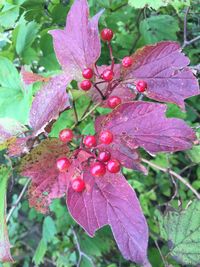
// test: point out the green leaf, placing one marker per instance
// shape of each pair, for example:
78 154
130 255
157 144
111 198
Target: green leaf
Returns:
154 29
5 255
155 4
183 232
27 33
14 100
40 252
194 154
9 15
49 229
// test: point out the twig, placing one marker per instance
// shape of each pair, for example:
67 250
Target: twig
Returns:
161 255
18 200
80 252
176 175
86 115
185 41
75 112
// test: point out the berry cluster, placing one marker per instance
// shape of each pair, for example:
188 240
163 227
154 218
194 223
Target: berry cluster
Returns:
102 160
108 74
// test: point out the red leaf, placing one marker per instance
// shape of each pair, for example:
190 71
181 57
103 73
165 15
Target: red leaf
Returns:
30 77
78 45
40 166
165 70
49 102
110 200
143 124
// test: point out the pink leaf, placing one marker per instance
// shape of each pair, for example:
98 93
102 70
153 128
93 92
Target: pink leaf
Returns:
110 200
40 166
165 70
19 146
78 45
49 102
143 124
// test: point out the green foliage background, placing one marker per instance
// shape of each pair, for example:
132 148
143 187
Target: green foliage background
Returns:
50 241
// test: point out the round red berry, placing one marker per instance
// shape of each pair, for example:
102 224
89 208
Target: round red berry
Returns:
104 156
66 135
90 141
63 164
106 137
113 166
86 85
98 169
127 62
114 101
141 86
106 35
78 185
107 75
87 73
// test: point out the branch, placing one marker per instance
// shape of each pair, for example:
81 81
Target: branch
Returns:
18 200
174 174
185 41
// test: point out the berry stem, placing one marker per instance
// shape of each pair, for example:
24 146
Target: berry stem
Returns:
111 55
99 91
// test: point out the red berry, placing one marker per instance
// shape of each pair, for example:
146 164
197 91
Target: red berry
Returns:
127 62
78 185
90 141
141 86
106 34
113 166
114 101
107 75
104 156
86 85
63 164
87 73
66 135
98 169
106 137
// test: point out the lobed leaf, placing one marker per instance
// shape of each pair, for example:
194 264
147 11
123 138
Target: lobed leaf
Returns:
143 124
165 70
183 233
40 166
110 200
78 45
49 102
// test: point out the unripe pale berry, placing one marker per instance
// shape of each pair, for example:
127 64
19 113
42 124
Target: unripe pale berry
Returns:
106 35
98 169
85 85
78 184
104 156
63 164
141 86
114 101
113 166
107 75
87 73
90 141
106 137
127 62
66 135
